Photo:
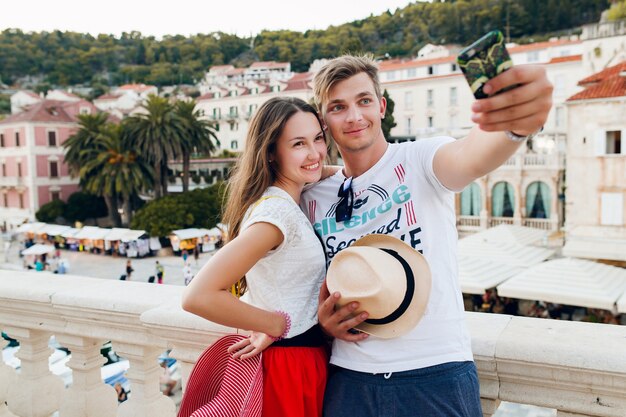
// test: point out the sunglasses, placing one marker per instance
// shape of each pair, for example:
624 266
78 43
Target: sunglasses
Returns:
344 208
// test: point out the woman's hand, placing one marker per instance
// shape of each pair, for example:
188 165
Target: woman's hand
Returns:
247 348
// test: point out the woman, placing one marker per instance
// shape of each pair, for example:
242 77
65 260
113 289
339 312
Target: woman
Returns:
273 246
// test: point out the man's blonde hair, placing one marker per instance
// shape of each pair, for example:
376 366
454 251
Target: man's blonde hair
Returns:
340 69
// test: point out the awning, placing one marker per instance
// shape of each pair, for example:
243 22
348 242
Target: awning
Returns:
508 253
30 227
116 233
133 235
477 275
568 281
595 248
69 233
506 233
53 229
184 234
91 232
621 304
38 249
215 232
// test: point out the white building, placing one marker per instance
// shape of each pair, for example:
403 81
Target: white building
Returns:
124 100
23 99
596 168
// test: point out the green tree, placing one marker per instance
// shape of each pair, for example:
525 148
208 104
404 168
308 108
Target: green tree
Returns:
82 206
50 212
197 136
84 146
156 135
617 11
388 121
117 172
198 208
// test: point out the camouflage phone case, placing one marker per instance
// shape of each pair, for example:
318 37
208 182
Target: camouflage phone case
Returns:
483 60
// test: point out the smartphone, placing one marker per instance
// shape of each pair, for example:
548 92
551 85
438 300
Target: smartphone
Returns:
483 60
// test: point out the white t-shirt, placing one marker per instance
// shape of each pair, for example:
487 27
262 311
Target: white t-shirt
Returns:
289 277
401 196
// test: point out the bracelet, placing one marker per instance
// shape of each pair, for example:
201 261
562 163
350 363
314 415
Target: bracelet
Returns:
287 326
518 138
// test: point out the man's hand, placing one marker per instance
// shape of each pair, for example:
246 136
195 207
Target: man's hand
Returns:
338 323
522 110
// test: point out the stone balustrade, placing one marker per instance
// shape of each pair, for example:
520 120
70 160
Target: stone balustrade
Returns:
533 161
577 368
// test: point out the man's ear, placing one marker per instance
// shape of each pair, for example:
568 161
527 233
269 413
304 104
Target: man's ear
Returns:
383 107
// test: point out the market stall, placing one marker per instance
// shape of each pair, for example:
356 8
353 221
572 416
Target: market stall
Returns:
92 238
187 239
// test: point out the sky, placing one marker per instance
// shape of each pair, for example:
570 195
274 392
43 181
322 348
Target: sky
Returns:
185 17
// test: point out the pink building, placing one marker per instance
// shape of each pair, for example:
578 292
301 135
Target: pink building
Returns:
32 169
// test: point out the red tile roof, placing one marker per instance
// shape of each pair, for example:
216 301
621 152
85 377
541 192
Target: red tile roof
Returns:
235 71
30 93
50 111
569 58
540 45
610 82
394 65
135 87
207 96
109 97
269 64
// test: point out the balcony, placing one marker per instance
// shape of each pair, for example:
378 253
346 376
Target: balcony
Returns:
11 181
577 368
603 30
532 161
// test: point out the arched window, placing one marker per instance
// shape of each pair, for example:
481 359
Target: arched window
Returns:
470 200
502 200
538 201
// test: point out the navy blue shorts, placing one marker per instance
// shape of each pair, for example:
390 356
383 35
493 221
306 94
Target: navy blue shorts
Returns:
446 390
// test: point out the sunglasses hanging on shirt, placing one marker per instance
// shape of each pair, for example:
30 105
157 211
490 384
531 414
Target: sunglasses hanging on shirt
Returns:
344 208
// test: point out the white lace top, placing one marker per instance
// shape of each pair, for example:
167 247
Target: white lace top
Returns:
289 277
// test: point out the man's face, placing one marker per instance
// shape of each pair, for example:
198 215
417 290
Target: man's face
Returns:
353 114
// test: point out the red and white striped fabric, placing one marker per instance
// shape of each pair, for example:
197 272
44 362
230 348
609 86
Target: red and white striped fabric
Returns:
220 386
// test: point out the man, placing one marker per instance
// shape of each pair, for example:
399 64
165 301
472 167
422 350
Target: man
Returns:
159 271
407 190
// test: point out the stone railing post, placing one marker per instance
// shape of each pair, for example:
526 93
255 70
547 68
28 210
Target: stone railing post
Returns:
36 391
146 399
7 375
88 395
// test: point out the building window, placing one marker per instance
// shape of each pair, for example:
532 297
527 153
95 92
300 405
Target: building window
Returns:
409 128
4 169
532 56
5 199
1 140
411 72
431 70
612 209
538 201
19 169
453 67
430 121
453 96
52 138
17 138
429 98
559 85
408 100
613 142
391 75
471 201
21 197
233 111
54 169
234 145
217 127
502 200
55 195
234 127
454 121
558 117
252 108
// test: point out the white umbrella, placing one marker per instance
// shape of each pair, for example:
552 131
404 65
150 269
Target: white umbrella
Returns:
38 249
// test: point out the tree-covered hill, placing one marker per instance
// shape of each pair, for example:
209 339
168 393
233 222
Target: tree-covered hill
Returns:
67 58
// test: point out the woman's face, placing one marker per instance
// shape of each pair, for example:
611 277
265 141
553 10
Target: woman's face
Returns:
300 150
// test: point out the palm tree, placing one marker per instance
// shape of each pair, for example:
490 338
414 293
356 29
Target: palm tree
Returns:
197 136
156 135
85 145
117 171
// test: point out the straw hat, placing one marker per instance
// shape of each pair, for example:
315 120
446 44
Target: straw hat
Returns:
221 385
389 279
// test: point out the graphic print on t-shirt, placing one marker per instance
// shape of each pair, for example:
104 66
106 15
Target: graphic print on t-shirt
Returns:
376 210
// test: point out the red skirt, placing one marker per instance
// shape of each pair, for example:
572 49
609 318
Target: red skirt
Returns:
294 379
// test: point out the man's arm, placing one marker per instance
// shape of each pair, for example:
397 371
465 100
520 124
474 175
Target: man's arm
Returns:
522 110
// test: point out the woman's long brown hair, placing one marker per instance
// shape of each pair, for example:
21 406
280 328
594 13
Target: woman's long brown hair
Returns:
253 172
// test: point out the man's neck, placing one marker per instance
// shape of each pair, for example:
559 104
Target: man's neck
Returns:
358 162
